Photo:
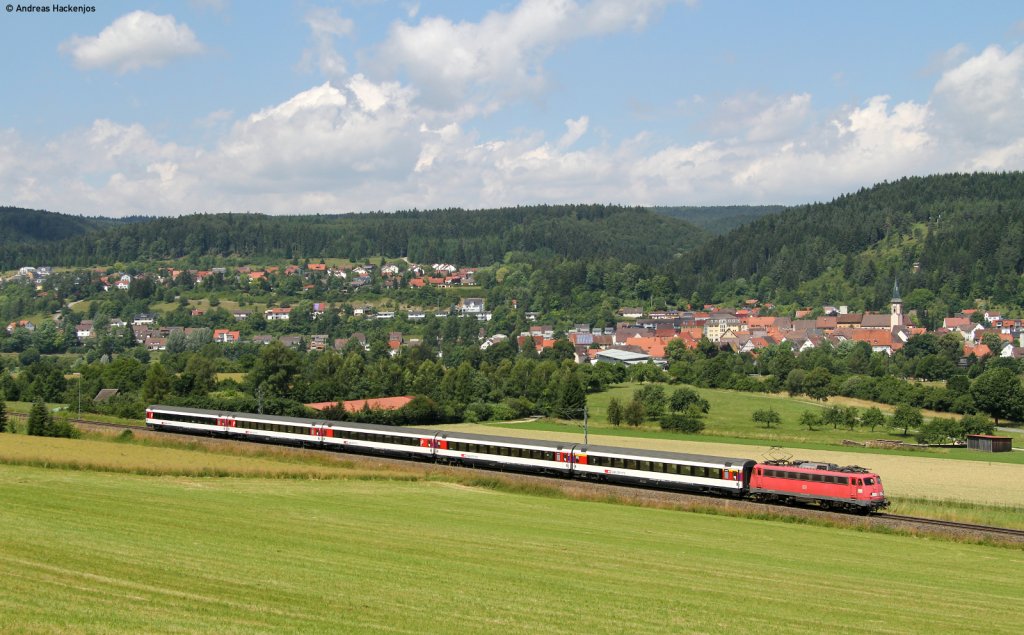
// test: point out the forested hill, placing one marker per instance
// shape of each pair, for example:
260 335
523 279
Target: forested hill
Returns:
465 237
20 225
964 231
719 219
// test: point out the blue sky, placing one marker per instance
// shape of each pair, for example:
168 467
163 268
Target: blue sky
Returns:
294 107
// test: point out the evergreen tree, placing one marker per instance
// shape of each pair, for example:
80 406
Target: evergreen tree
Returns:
39 420
614 411
572 399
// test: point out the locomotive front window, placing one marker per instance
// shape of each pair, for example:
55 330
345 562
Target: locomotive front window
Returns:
869 481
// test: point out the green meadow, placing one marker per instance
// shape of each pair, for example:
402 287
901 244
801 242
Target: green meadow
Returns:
279 543
730 417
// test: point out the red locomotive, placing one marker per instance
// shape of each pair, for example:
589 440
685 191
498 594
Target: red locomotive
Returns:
850 488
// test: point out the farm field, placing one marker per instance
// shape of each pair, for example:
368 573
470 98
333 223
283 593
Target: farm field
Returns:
89 551
731 411
903 476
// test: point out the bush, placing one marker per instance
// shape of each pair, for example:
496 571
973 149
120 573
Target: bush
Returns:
477 411
684 422
503 412
61 427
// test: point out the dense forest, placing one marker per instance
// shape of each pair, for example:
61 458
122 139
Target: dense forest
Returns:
20 225
950 240
718 220
465 237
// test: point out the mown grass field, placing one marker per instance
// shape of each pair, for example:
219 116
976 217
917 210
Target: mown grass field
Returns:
204 304
88 551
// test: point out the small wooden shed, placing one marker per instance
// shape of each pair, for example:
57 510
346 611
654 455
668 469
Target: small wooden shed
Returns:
989 443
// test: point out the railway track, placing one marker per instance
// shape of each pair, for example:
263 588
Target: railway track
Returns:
638 493
986 529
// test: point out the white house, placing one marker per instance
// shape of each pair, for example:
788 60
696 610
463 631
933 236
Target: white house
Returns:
278 313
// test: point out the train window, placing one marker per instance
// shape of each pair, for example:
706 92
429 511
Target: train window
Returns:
630 464
842 480
503 450
869 481
645 466
817 478
617 462
696 471
658 467
672 468
715 473
830 479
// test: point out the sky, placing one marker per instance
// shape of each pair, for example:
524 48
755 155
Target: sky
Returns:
287 107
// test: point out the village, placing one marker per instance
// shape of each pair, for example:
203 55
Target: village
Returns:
638 335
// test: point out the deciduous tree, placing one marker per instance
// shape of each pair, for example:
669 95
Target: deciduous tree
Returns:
998 392
766 417
906 417
634 412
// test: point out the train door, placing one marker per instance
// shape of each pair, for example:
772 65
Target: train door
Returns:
319 431
225 424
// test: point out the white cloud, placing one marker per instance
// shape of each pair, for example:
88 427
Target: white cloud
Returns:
503 53
325 25
355 144
981 99
758 118
133 41
575 128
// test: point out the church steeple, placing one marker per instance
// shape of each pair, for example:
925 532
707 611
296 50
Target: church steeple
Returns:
896 306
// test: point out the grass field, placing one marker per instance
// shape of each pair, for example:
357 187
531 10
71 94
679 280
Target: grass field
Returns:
731 411
86 552
204 304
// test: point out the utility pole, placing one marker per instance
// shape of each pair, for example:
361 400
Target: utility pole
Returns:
585 424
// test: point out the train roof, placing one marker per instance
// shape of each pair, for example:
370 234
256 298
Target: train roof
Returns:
284 419
490 438
661 454
481 438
